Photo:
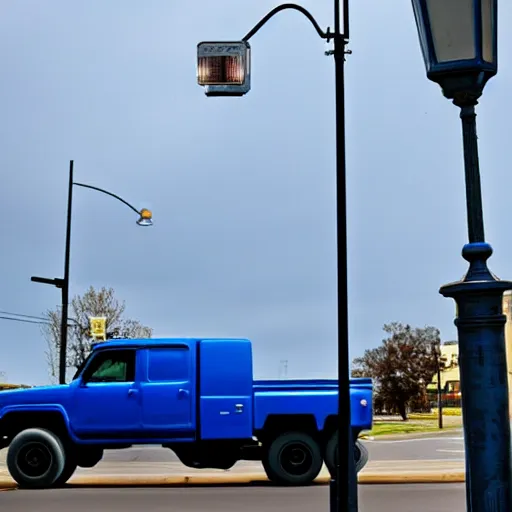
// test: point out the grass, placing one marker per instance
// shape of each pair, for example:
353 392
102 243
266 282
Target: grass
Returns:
451 411
406 427
417 423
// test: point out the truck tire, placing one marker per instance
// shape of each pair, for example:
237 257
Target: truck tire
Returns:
77 458
36 458
69 469
293 458
331 454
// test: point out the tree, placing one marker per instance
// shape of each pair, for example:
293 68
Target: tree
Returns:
402 366
93 303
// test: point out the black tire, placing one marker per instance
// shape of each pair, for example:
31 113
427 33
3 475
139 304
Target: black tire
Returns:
36 458
331 454
293 458
68 471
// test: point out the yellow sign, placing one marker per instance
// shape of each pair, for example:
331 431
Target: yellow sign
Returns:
98 327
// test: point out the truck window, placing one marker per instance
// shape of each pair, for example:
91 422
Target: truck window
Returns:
168 364
80 369
111 366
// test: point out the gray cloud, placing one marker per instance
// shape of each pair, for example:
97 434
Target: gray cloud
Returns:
243 189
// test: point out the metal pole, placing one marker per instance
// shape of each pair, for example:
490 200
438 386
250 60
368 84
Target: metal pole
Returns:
472 172
482 358
65 286
346 479
439 389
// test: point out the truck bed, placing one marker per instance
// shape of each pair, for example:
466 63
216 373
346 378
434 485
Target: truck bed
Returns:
316 397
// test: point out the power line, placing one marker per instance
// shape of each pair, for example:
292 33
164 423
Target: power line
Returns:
23 316
32 319
24 321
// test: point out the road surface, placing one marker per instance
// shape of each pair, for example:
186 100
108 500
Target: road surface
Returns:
447 446
441 454
390 498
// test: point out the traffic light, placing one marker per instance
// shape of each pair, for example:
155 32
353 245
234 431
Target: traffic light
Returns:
223 68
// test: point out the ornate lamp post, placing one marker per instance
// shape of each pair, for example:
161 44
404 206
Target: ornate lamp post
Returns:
459 43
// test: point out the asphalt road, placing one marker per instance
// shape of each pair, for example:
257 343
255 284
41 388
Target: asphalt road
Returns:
389 498
449 446
426 455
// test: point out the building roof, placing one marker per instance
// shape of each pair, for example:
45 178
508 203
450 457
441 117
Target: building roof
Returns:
5 386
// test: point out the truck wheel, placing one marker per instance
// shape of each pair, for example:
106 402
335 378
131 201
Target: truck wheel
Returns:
69 469
293 458
331 454
36 458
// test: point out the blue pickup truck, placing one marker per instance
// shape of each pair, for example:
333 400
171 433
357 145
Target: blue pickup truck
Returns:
196 397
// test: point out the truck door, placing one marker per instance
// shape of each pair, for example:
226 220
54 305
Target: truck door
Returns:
168 392
106 401
226 389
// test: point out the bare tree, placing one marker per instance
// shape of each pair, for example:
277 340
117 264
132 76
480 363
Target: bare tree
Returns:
93 303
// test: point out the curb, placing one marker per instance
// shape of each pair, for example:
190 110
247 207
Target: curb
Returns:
425 477
413 435
431 477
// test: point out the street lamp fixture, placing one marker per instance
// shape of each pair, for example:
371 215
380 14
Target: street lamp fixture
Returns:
458 39
223 68
145 219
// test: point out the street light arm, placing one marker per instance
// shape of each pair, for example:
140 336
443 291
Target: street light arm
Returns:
108 194
324 35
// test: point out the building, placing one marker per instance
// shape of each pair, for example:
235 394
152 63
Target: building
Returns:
450 375
7 387
450 378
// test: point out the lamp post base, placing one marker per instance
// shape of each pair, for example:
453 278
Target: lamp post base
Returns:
484 383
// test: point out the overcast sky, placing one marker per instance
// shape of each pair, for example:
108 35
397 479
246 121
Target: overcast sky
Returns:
242 189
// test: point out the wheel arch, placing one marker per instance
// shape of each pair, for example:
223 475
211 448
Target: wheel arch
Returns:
51 417
277 424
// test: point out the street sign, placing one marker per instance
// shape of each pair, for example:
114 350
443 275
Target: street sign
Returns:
98 327
223 67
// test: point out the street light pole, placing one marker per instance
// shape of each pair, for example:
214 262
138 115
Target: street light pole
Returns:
65 285
220 79
482 356
437 355
343 489
459 40
145 219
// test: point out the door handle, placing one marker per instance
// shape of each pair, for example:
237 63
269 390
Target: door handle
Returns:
183 393
132 392
239 408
